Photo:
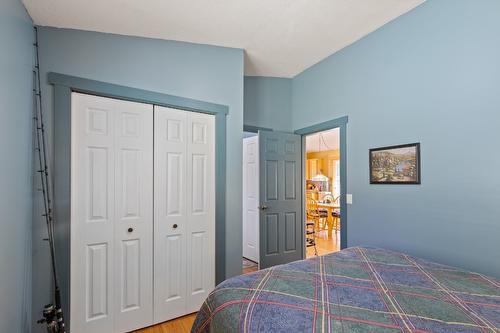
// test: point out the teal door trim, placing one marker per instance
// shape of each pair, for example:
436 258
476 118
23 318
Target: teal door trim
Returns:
340 123
330 124
134 94
255 129
65 84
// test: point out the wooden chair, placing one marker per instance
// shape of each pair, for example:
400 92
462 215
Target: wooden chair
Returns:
328 198
310 236
312 212
336 215
312 222
323 212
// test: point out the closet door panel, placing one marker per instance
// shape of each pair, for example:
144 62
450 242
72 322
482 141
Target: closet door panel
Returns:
133 286
92 214
170 213
111 180
97 276
200 208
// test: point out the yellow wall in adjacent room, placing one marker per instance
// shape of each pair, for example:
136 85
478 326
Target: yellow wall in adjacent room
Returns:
322 161
318 161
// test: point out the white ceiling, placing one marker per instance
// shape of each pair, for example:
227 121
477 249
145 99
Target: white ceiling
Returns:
322 141
281 37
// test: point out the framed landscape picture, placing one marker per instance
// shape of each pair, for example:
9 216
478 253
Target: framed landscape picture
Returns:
395 164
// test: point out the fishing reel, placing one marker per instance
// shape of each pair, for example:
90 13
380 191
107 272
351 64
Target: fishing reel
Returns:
52 317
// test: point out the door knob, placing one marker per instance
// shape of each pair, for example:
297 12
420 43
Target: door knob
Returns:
174 226
130 229
263 207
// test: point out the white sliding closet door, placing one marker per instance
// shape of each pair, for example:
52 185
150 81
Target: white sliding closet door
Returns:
184 191
170 214
200 209
134 216
111 215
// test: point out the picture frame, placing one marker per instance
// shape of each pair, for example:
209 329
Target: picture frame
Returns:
395 165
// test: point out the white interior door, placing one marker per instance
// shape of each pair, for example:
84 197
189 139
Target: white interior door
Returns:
111 281
133 216
170 213
251 198
200 209
184 264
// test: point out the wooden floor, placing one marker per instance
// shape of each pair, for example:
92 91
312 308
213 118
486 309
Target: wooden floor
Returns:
178 325
184 324
249 266
250 269
325 244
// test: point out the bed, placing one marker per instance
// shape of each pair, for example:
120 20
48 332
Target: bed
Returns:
354 290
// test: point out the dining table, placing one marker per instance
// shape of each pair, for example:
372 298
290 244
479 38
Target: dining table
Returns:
330 207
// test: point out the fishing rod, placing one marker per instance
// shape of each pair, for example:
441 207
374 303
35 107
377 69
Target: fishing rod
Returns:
52 313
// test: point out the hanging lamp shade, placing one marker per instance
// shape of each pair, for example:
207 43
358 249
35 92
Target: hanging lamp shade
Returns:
320 177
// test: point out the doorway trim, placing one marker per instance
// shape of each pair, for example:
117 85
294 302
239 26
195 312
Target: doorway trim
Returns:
340 123
255 129
64 85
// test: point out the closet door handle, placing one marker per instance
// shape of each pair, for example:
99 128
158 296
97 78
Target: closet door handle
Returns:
174 226
130 229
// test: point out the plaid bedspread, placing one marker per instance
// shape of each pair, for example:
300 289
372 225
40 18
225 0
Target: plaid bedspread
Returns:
354 290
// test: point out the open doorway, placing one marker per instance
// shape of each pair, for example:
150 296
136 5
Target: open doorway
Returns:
284 194
322 192
250 203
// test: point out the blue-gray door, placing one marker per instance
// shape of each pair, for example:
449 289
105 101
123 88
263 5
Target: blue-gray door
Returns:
281 231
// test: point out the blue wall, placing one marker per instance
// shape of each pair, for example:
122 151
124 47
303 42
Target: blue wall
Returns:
268 102
16 65
208 73
431 76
